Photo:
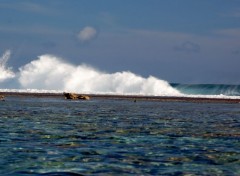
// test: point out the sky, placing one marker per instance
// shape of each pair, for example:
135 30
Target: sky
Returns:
187 41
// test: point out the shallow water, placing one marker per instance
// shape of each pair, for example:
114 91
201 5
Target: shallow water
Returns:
52 136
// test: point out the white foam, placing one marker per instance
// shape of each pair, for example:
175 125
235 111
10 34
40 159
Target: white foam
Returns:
212 96
52 73
30 91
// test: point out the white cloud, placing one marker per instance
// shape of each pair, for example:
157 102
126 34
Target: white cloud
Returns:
86 34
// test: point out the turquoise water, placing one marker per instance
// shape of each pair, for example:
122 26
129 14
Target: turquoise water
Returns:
52 136
208 89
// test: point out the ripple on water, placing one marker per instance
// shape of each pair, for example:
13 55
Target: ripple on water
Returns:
55 137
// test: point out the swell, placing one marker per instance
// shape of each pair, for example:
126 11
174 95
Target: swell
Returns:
208 89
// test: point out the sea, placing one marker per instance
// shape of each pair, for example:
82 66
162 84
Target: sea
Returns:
54 136
49 135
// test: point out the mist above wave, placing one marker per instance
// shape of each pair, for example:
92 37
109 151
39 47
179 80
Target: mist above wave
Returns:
5 72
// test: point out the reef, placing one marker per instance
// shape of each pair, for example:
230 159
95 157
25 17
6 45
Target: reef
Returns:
73 96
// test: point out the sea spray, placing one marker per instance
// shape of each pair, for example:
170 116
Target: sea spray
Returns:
47 72
51 72
5 72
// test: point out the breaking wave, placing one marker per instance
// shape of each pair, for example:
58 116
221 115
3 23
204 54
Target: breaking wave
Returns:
49 72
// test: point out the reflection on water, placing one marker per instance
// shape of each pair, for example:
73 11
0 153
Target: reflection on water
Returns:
47 136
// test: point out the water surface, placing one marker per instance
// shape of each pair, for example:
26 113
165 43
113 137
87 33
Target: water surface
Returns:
52 136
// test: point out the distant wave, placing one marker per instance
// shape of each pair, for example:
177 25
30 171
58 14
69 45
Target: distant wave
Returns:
208 89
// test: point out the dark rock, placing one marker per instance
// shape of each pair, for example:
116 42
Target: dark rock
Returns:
2 98
73 96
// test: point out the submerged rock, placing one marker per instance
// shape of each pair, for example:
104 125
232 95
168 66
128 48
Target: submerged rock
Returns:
74 96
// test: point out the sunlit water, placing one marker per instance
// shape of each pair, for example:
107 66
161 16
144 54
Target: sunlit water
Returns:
53 136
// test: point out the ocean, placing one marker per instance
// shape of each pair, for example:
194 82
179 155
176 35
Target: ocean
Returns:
208 89
131 125
54 136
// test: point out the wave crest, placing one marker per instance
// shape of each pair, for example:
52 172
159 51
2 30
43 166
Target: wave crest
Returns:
51 72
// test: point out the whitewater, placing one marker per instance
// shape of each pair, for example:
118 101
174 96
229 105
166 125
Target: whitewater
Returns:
51 74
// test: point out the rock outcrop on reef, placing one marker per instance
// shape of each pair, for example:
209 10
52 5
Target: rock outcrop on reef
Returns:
2 98
73 96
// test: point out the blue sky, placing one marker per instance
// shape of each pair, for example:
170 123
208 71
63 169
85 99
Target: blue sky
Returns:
184 41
